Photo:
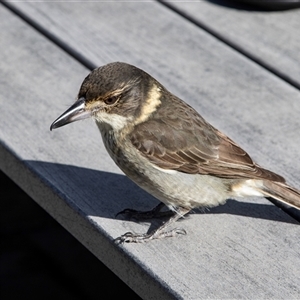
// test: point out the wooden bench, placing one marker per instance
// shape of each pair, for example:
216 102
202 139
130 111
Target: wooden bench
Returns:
244 249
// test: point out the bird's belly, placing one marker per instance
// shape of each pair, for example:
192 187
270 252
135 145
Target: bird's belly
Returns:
171 187
187 190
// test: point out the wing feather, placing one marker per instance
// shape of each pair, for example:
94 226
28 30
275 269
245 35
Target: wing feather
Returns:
182 140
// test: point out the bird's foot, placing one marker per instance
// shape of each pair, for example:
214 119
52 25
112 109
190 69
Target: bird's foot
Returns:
130 237
146 215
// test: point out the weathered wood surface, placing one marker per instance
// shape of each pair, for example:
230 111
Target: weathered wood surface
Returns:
270 37
245 249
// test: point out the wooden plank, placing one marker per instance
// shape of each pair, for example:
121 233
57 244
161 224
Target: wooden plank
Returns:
270 37
244 249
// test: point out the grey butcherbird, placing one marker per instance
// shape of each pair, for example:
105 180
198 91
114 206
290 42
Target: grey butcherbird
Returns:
167 148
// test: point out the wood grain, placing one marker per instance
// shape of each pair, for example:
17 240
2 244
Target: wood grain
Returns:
270 37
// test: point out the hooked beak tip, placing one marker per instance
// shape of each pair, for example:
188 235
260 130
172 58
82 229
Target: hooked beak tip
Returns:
52 126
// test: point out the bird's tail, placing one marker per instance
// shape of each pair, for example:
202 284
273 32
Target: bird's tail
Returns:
281 192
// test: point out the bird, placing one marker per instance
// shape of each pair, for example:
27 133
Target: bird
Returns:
168 149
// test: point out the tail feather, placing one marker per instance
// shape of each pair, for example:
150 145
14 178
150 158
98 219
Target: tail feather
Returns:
281 192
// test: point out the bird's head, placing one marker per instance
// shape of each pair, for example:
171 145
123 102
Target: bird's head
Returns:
116 94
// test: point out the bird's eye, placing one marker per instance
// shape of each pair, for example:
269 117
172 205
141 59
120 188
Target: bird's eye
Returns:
111 100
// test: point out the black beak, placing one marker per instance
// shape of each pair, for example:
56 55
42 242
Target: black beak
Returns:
75 113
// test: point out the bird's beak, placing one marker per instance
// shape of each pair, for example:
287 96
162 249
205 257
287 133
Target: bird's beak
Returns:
76 112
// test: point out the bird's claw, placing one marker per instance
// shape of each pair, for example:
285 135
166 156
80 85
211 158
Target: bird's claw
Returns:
130 237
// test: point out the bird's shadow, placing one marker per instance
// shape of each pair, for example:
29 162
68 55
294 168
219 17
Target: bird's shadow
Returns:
104 194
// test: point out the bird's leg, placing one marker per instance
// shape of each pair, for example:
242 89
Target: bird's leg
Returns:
130 237
146 215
